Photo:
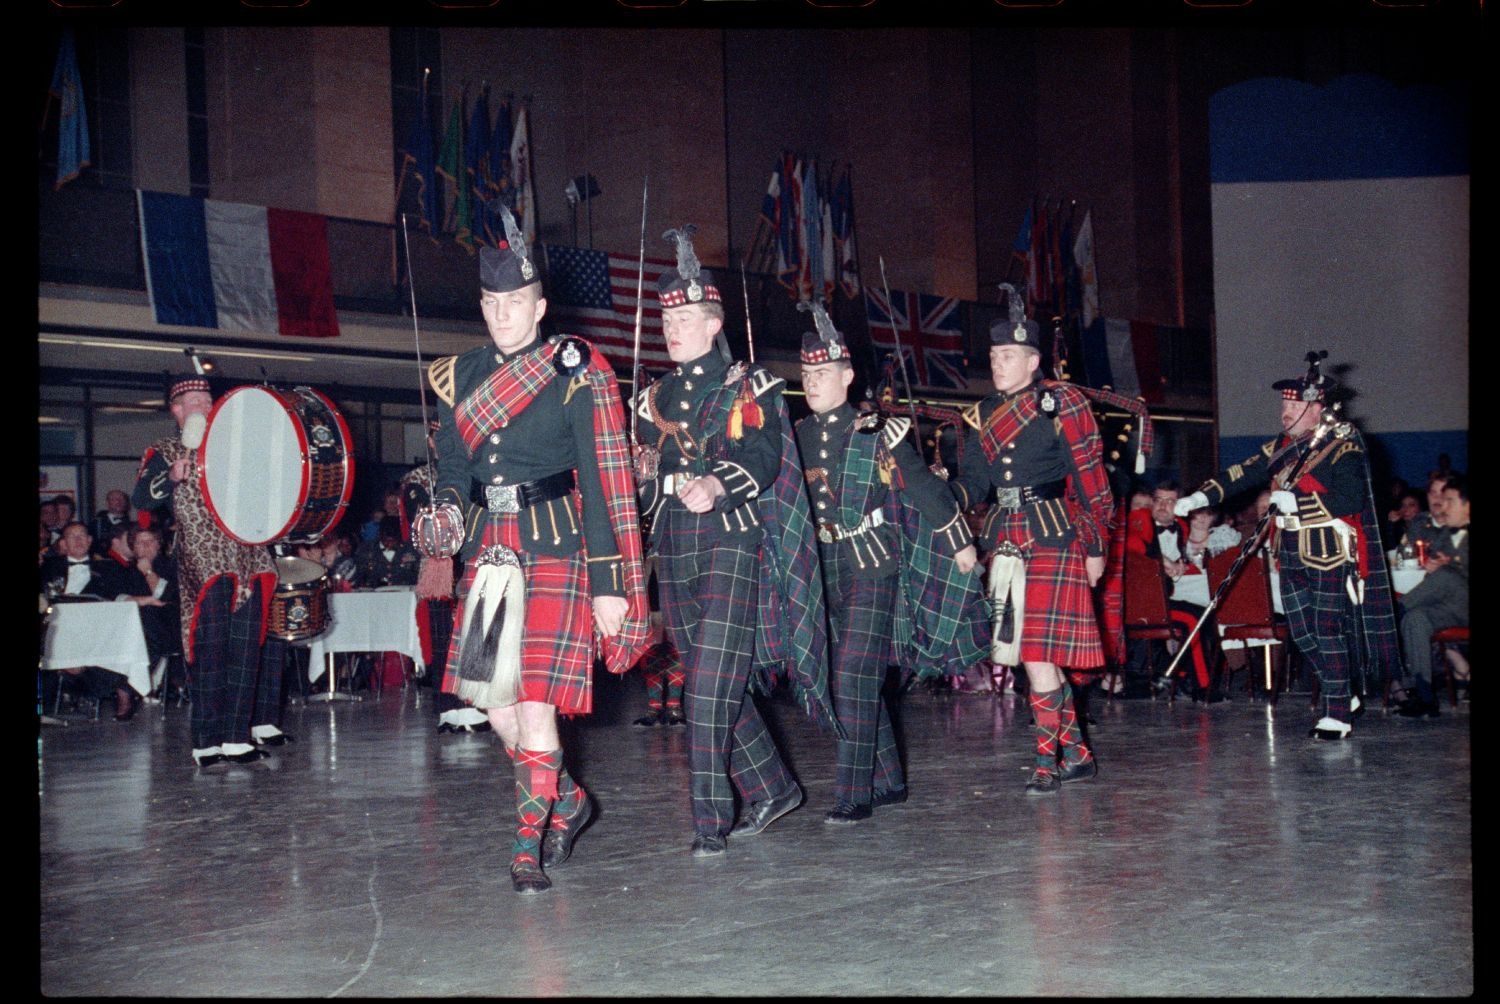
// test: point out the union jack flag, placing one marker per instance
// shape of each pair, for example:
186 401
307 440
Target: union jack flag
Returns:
591 294
931 332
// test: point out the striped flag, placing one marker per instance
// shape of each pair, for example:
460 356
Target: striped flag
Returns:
591 294
931 333
212 264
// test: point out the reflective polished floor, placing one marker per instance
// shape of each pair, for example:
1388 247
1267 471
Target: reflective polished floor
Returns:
1220 852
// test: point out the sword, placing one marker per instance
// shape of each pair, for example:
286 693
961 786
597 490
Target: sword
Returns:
640 286
749 333
901 357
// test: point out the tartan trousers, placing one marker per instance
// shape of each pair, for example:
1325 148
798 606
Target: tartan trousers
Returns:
222 678
709 586
860 614
1317 614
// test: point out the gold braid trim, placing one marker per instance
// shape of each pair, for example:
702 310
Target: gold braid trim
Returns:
440 378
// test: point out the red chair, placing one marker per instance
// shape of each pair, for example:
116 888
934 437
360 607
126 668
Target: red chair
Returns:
1147 617
1247 614
1441 639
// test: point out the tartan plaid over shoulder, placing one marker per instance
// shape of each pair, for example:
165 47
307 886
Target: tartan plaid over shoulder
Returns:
941 625
791 639
1090 502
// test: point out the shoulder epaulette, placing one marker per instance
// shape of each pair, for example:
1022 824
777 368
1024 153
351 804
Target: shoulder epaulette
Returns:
1268 448
972 417
440 378
895 430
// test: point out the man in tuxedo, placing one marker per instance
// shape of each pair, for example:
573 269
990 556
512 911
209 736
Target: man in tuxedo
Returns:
73 573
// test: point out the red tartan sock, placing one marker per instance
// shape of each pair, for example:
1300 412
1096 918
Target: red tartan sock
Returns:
676 680
536 791
570 796
1069 736
1047 708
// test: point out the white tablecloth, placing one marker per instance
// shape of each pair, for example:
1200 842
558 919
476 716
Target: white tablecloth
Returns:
374 620
106 634
1404 580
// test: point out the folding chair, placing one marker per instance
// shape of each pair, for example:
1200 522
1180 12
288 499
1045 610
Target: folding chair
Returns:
1147 617
1247 614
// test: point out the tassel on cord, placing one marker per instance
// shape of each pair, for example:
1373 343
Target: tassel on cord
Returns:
435 579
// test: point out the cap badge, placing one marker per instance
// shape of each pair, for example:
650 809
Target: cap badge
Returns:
694 291
1020 332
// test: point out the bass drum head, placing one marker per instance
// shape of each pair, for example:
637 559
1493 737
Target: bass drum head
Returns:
254 478
297 571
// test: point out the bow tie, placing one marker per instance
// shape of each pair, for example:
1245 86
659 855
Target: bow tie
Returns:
78 561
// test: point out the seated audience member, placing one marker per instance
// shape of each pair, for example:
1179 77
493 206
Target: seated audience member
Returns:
142 573
72 573
1428 526
1399 519
369 530
388 560
1158 533
47 511
44 544
116 512
1440 600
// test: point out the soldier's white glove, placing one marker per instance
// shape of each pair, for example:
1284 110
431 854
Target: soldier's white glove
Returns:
1284 502
1197 500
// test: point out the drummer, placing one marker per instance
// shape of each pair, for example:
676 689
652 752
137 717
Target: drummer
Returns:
228 585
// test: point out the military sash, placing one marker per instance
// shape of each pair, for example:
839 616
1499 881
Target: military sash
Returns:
505 392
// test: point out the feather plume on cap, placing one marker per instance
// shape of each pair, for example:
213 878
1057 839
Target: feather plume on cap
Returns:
688 266
1015 303
517 242
827 345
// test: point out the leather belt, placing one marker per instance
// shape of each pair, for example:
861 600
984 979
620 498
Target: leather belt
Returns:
514 498
1012 499
830 532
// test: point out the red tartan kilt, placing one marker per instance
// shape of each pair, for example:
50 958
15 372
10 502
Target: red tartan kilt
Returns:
1060 625
557 639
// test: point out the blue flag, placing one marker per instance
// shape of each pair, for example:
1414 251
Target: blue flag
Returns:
419 167
73 125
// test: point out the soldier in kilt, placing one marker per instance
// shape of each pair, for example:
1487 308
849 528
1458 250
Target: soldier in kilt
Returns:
866 481
533 463
1032 449
737 562
1334 585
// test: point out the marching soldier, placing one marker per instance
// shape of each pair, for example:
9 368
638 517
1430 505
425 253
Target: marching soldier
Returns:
885 525
1033 450
737 560
534 467
1334 585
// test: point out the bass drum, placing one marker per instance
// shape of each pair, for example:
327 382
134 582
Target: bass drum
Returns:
276 465
299 606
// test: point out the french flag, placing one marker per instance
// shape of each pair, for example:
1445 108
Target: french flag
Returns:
228 265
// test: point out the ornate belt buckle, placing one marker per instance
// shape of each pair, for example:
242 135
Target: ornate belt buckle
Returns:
502 498
1008 498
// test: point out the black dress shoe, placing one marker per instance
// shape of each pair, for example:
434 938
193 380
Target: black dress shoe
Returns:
765 812
280 739
650 720
212 760
131 709
675 717
708 845
249 756
1415 707
893 797
1043 782
445 727
1084 770
528 879
844 813
558 844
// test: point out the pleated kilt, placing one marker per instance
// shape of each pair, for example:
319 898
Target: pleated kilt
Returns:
1060 625
557 636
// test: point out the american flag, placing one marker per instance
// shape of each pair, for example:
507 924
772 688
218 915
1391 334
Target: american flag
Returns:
591 294
932 335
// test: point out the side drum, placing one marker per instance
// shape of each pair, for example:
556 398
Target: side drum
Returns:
299 606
